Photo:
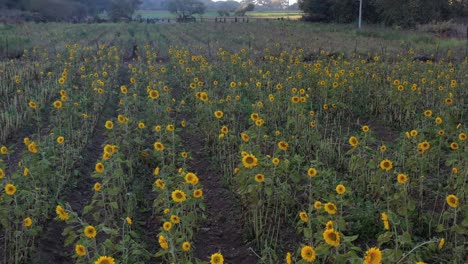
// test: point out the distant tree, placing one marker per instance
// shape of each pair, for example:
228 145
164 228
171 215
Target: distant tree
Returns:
230 6
185 9
123 9
244 9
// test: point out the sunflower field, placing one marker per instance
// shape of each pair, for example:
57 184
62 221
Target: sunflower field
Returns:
275 142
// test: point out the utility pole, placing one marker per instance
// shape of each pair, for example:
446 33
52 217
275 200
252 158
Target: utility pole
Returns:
360 14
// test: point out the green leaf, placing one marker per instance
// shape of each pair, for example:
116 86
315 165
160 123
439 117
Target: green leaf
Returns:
350 238
114 205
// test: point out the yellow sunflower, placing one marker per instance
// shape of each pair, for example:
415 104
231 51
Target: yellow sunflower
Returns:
218 114
105 260
186 246
99 167
90 231
259 178
158 146
80 250
249 161
308 254
330 208
27 222
402 178
331 237
217 258
452 201
304 217
178 196
373 256
10 189
386 164
312 172
353 141
283 145
198 193
340 189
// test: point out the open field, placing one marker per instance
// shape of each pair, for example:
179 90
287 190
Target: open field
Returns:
265 142
212 14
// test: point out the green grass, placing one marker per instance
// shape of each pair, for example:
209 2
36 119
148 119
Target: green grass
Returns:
213 13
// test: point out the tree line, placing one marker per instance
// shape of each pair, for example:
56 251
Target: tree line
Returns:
68 10
405 13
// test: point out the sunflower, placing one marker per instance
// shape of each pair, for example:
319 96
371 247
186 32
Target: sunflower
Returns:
32 104
167 226
331 237
123 89
295 99
217 258
3 150
288 258
385 221
62 214
441 132
160 184
178 196
383 148
259 178
438 120
452 201
454 145
312 172
60 140
191 178
10 189
413 133
365 129
158 146
141 125
90 231
353 141
184 154
448 101
330 208
97 187
318 205
170 128
386 165
27 222
129 220
99 167
428 113
245 137
308 254
32 147
329 225
304 217
402 178
109 124
80 250
153 94
276 161
58 104
224 129
462 136
424 145
186 246
340 189
441 243
219 114
259 122
175 219
254 116
105 260
249 161
373 256
283 145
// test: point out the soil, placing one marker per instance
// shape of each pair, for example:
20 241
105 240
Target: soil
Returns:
223 229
